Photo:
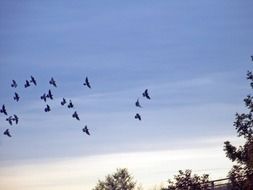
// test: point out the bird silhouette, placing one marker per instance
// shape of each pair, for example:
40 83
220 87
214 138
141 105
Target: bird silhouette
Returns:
3 110
16 97
14 84
145 94
52 81
87 83
50 95
252 58
70 105
15 118
47 109
63 101
75 115
137 103
33 81
137 116
27 84
44 97
7 133
9 119
86 130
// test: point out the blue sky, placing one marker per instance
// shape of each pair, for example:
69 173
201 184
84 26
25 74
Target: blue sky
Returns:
192 56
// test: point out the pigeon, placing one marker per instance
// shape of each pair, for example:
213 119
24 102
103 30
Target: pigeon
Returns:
33 81
87 83
16 97
50 95
7 133
44 97
70 105
14 84
27 84
52 81
75 115
9 119
15 118
137 116
63 101
47 109
137 103
3 110
145 94
86 130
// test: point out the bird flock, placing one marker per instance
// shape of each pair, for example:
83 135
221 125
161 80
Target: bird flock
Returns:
14 119
145 94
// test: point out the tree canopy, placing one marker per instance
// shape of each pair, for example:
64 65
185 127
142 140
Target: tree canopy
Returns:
120 180
188 181
241 175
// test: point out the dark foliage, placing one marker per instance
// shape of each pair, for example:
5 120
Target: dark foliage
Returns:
187 181
241 175
120 180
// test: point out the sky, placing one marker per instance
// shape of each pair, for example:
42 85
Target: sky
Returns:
192 56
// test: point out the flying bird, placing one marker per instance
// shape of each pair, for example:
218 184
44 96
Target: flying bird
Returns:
75 115
87 83
7 133
47 109
16 97
9 119
137 116
145 94
70 105
50 95
52 81
44 97
15 118
33 81
86 130
27 84
137 103
63 101
3 110
252 58
14 84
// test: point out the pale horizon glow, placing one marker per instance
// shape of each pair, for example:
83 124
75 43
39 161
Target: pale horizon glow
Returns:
149 168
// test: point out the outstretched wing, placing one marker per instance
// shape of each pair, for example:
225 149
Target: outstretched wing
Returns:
14 84
3 110
137 116
43 97
63 101
33 81
87 82
7 133
52 81
137 103
9 119
50 95
16 118
16 97
86 130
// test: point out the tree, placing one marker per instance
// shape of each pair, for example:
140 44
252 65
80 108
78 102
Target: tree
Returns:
241 175
187 181
120 180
